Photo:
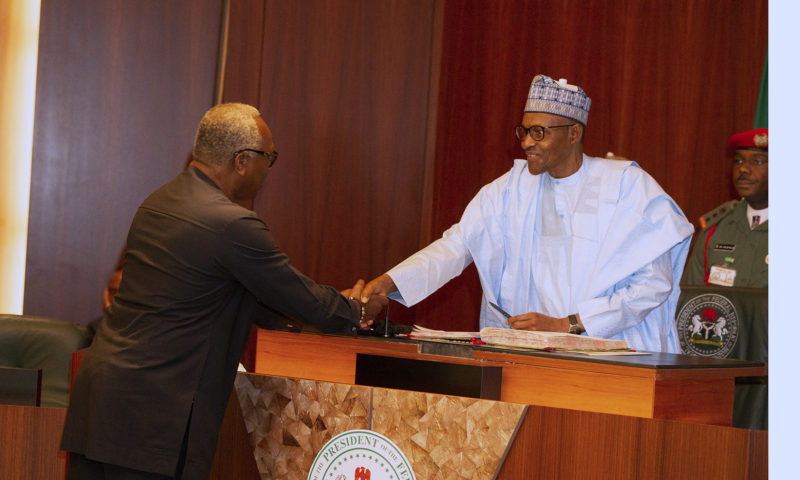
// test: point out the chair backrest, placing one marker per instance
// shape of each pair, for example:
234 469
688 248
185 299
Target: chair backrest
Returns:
20 386
42 343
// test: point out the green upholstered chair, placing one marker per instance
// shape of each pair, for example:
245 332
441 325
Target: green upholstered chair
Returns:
36 342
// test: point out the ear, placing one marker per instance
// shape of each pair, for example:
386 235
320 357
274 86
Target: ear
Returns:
240 164
575 133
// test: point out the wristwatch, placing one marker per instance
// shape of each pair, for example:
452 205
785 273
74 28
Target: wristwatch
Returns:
574 327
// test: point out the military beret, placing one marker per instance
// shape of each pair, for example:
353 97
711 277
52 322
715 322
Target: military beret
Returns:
750 139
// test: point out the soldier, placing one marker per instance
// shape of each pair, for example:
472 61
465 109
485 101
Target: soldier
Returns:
732 248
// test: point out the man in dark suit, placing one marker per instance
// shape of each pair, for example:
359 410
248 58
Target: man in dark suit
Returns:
152 390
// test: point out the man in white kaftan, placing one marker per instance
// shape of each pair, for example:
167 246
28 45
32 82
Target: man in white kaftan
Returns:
564 241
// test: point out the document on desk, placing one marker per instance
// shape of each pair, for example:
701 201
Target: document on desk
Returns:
549 340
507 337
429 333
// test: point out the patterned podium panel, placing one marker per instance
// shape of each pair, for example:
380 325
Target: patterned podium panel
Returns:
290 420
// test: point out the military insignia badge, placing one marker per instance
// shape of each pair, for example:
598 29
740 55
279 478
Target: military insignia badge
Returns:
708 326
760 140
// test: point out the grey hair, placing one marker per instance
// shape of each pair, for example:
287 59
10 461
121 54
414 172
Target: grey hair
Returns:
224 129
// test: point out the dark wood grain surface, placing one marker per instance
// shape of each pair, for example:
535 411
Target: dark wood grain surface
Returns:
389 117
669 82
29 442
570 444
120 90
345 87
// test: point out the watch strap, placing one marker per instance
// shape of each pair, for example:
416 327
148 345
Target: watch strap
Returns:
574 326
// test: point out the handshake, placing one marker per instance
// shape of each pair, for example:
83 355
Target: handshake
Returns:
372 297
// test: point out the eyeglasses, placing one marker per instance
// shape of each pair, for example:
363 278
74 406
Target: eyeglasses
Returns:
535 131
271 157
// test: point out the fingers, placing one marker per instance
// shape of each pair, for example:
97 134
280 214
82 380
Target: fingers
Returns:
366 294
107 297
355 292
382 285
372 309
521 322
538 321
372 295
366 323
375 305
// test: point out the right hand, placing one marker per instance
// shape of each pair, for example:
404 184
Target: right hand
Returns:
382 285
372 307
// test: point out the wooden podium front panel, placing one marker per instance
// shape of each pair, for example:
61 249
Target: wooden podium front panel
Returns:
700 394
694 401
318 357
578 390
549 442
473 379
708 401
665 386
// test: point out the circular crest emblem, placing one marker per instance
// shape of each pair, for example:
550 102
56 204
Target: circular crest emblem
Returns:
360 455
708 326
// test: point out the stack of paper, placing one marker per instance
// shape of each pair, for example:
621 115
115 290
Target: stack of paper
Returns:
556 340
524 338
422 332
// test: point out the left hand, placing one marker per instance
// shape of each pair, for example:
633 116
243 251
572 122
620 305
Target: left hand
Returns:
539 322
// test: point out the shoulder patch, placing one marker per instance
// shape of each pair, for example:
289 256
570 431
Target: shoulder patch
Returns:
714 216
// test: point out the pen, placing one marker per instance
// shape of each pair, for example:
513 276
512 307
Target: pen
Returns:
503 312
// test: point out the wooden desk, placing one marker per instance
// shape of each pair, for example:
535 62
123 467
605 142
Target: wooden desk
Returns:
431 429
663 386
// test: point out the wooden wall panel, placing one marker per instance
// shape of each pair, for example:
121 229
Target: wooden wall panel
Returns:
669 82
121 87
344 86
351 89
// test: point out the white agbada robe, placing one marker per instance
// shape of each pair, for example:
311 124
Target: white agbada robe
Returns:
606 242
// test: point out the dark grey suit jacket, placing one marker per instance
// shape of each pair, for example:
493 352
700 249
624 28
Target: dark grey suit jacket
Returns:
165 355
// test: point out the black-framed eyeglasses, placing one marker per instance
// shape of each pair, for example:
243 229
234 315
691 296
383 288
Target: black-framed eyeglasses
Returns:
271 157
536 132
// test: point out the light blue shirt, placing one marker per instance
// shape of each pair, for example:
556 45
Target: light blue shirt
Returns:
606 242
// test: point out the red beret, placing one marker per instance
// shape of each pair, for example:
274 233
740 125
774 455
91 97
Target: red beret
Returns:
751 139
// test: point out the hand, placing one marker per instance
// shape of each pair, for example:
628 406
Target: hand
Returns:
372 306
382 285
112 288
539 321
354 291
